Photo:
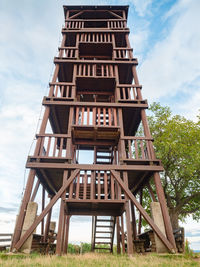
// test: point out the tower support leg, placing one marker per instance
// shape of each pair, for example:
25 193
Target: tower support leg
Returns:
66 240
129 230
22 213
46 232
61 225
118 235
166 218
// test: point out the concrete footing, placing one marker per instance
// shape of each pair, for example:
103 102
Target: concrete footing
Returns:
30 217
158 219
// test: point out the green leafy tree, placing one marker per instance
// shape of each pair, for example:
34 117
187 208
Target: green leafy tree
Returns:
177 144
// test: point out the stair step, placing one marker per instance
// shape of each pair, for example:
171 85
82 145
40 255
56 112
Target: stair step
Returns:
102 232
104 157
102 162
103 237
104 226
104 220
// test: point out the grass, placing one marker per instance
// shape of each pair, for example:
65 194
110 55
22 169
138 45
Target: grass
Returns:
97 260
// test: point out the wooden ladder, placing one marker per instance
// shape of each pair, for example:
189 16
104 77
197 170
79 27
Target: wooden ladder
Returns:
103 229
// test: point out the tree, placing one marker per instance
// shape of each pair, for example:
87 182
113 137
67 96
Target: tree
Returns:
177 144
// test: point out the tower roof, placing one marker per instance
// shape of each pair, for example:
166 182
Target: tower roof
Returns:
96 7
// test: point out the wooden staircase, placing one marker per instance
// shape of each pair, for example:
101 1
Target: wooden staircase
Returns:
103 229
104 155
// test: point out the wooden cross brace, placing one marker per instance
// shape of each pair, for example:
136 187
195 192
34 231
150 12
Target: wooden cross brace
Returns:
143 212
31 229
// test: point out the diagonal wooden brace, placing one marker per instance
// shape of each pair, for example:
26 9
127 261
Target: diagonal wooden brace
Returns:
143 212
46 210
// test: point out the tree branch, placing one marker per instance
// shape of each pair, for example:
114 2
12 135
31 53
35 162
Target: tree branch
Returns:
186 200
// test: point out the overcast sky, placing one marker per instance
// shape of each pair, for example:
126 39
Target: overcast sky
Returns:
165 36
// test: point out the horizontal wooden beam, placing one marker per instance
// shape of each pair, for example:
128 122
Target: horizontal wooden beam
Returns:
97 167
85 30
47 101
81 61
96 201
77 20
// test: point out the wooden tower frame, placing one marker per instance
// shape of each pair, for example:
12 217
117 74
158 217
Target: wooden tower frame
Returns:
95 103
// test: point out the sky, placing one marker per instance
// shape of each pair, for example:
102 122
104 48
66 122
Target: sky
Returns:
165 36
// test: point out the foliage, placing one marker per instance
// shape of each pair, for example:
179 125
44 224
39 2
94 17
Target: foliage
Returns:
177 144
188 251
97 260
76 249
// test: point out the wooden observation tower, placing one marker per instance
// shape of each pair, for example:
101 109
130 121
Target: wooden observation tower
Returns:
95 104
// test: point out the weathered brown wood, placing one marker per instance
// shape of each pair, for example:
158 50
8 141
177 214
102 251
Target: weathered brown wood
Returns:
43 205
122 235
105 167
166 218
20 217
140 215
151 192
48 102
94 103
46 210
35 190
143 212
118 235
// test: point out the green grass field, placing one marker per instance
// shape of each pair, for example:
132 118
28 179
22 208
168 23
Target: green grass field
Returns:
96 260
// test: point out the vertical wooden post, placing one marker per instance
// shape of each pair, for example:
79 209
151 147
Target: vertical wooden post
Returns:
140 215
123 235
133 222
35 190
60 235
46 232
128 220
67 221
43 204
118 235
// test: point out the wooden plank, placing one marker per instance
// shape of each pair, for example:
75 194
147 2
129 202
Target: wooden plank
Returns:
105 185
99 185
112 189
39 165
96 104
85 177
78 186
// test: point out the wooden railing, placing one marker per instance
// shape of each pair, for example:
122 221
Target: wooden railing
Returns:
117 24
54 146
68 52
95 37
96 70
127 92
90 185
62 90
123 53
95 23
95 116
137 148
74 24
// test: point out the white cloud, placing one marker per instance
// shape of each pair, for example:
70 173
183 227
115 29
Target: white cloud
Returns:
172 66
141 6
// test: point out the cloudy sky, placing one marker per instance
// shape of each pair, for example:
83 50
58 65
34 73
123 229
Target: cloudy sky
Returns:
165 36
